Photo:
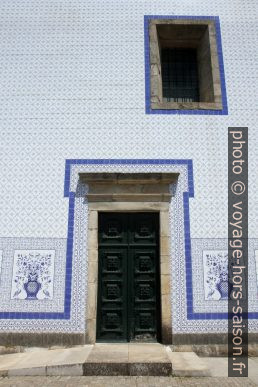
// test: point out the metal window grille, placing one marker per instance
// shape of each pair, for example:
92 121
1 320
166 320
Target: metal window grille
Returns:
179 75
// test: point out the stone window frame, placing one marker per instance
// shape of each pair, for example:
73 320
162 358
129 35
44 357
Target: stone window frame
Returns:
153 81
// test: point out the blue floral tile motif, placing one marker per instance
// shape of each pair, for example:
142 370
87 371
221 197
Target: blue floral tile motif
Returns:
215 269
33 273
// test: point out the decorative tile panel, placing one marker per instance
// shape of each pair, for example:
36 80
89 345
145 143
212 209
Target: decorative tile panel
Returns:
216 249
33 274
215 269
17 313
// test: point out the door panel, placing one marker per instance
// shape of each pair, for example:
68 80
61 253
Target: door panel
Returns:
128 286
143 293
112 296
143 228
113 229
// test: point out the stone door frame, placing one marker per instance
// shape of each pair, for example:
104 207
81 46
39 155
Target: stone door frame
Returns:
129 192
165 278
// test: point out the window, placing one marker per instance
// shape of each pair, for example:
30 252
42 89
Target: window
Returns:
179 75
185 66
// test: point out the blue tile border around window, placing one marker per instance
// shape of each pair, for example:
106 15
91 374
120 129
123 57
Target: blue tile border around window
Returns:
149 110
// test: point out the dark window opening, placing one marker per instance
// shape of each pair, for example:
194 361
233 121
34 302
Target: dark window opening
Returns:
179 75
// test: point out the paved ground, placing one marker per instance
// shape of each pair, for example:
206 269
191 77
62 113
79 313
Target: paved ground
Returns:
219 367
110 381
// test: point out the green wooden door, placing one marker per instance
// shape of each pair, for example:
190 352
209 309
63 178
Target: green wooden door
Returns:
128 277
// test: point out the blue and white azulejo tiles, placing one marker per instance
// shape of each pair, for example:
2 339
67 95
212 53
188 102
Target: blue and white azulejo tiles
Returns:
215 269
33 274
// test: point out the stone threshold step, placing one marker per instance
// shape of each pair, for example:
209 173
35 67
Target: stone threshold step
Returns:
127 369
187 364
128 359
146 359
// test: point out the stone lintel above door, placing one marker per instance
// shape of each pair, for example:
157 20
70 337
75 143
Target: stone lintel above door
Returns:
127 187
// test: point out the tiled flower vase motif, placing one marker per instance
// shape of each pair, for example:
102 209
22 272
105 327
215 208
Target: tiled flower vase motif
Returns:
215 269
33 274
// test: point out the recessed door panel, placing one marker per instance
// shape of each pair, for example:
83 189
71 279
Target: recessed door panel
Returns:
143 229
143 294
113 229
128 277
112 296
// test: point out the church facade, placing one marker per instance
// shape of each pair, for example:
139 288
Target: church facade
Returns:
114 124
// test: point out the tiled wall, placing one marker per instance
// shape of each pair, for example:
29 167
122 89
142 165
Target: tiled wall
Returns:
55 299
73 87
